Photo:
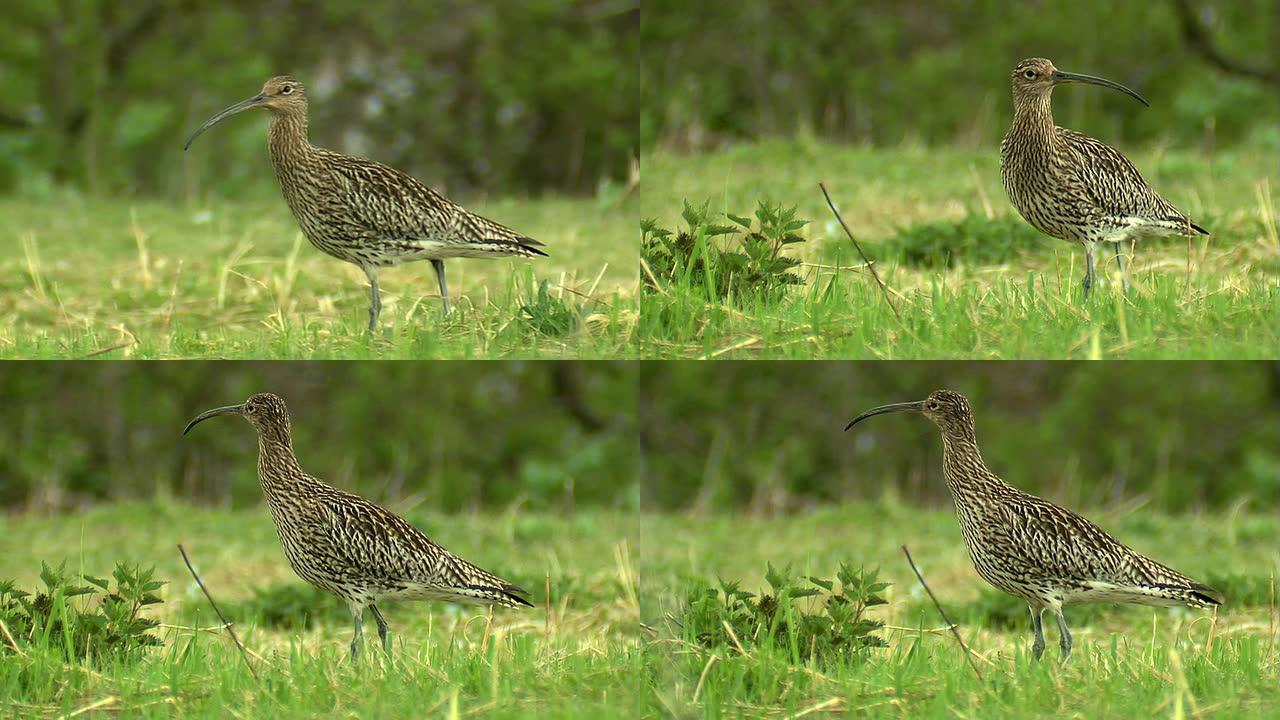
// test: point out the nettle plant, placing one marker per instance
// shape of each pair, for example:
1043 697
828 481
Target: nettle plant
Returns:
813 619
64 615
751 267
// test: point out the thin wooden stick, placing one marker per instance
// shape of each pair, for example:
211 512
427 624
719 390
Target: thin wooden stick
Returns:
225 623
968 654
870 266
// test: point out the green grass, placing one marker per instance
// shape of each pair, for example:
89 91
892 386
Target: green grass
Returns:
222 279
575 654
969 278
603 642
1127 662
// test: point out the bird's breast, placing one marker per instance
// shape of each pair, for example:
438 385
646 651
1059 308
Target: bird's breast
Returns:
1046 198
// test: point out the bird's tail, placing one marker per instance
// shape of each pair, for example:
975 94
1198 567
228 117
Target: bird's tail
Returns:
1157 593
526 247
1207 595
467 583
485 238
1181 225
506 595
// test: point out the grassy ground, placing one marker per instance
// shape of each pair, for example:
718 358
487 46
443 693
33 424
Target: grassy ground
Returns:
575 654
969 278
1139 662
603 641
147 279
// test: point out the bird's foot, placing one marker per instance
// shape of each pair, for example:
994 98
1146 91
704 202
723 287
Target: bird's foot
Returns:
1064 639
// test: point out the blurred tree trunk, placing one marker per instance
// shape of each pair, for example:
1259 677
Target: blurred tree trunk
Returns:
84 57
566 380
1200 40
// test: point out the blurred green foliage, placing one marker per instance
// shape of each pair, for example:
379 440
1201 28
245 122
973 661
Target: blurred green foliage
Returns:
769 437
973 240
938 70
288 605
530 95
454 436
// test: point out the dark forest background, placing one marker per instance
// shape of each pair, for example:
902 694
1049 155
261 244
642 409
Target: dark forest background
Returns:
502 96
725 436
769 437
452 435
937 71
537 95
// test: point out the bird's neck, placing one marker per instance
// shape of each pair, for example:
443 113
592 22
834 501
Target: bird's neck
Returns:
966 475
278 469
1033 119
287 136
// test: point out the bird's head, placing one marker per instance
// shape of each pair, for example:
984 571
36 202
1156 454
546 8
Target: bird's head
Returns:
949 410
282 95
265 412
1035 78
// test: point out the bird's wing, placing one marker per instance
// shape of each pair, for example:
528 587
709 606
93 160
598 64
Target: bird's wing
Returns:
388 204
1110 181
387 551
1074 549
1060 544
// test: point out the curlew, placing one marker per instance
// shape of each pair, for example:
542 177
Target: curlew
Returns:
1033 549
365 212
348 546
1070 186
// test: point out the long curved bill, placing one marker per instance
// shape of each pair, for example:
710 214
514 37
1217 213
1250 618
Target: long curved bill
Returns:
896 407
1060 77
223 115
228 410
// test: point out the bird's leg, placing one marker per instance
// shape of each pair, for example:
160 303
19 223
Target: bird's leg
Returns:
1124 280
1088 269
382 628
1037 625
1064 635
444 289
375 298
358 636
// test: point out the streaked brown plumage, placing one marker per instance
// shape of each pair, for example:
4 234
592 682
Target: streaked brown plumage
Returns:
364 212
1070 186
1033 549
347 545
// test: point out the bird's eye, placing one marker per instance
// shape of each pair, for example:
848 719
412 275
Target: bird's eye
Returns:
1029 74
286 89
932 405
